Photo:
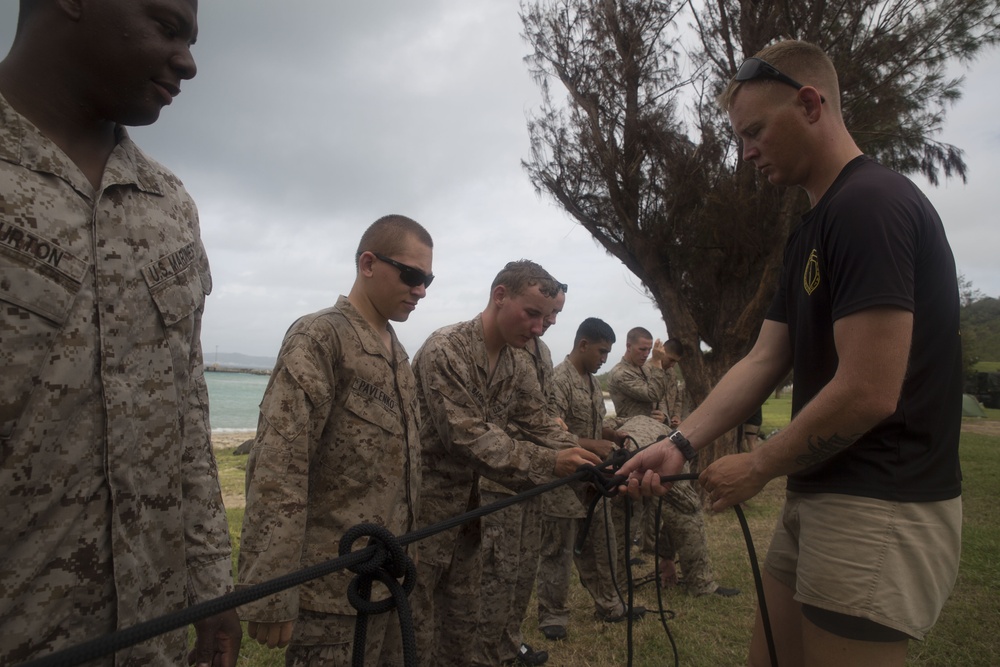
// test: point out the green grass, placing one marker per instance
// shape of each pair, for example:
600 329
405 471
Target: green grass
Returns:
776 413
987 366
712 631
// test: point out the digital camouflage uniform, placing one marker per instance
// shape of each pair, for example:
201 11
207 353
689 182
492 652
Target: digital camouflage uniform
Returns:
337 445
672 403
112 512
637 391
511 543
465 415
682 527
580 403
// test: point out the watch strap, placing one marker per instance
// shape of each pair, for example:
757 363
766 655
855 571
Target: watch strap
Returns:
683 445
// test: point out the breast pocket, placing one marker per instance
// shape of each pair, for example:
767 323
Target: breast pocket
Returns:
369 438
178 297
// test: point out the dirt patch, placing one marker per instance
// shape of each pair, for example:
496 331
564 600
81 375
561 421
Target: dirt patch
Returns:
230 440
981 426
231 500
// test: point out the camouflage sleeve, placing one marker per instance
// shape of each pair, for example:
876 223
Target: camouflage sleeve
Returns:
297 398
446 382
531 413
206 531
559 399
631 384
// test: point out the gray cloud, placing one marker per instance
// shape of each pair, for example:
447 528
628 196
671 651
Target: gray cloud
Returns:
309 119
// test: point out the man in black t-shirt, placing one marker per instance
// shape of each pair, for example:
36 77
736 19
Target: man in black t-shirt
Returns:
866 315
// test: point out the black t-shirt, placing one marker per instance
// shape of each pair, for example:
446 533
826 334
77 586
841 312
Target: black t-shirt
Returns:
875 240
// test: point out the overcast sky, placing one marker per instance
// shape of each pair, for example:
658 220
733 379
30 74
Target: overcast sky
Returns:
309 119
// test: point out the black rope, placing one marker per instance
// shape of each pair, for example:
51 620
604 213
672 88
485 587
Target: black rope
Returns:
385 560
754 566
140 632
759 583
388 565
657 521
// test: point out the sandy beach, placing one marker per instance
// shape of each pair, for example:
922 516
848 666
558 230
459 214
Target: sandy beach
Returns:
230 440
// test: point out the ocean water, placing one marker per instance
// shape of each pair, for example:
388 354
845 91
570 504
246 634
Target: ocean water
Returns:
234 399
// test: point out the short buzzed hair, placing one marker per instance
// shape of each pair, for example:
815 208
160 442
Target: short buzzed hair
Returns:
805 62
595 331
388 236
518 276
675 347
638 333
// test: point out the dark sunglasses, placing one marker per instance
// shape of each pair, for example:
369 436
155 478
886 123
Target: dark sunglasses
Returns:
755 68
411 277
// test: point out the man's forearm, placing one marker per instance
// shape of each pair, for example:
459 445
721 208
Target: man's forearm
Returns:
834 420
736 396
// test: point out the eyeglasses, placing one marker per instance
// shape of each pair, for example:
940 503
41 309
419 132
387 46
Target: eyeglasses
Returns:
755 68
563 286
411 277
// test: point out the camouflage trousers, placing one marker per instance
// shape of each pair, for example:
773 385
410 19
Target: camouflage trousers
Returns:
682 530
511 542
445 605
595 565
327 640
681 535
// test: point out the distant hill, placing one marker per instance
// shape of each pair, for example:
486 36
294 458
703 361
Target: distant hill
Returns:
237 360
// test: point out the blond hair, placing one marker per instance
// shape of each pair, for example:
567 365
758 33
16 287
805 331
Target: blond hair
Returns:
805 62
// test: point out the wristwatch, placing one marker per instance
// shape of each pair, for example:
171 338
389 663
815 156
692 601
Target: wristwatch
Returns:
683 445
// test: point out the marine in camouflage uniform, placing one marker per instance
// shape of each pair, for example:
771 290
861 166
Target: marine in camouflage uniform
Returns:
511 541
646 388
637 390
112 513
459 399
579 401
472 387
337 445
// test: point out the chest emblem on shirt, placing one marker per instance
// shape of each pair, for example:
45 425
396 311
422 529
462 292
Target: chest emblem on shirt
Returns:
810 277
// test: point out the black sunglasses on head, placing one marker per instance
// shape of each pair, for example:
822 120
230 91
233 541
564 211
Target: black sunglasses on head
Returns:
755 68
411 276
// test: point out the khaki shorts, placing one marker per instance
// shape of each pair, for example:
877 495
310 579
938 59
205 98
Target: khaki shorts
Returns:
893 563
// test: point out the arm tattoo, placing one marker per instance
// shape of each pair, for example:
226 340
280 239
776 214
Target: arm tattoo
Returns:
821 449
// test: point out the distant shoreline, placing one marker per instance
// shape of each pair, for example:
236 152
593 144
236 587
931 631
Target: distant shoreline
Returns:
215 368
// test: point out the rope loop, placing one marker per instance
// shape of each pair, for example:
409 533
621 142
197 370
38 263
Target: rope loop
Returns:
387 564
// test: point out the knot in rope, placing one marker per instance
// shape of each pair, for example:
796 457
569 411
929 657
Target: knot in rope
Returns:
599 476
387 564
602 476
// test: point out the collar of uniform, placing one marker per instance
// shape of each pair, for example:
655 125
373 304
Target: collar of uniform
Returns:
505 360
11 133
128 165
370 339
24 144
